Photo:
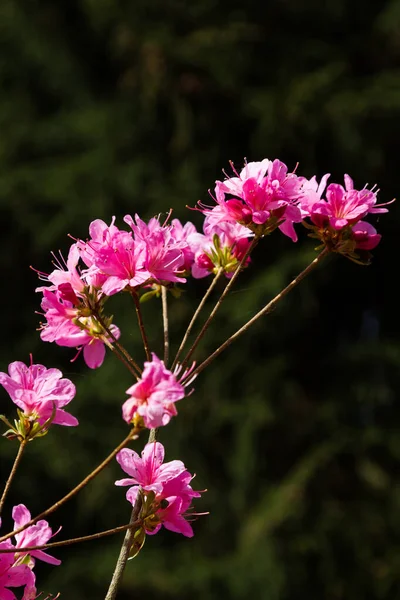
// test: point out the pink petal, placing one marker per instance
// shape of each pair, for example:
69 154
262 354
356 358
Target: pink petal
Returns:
94 353
64 418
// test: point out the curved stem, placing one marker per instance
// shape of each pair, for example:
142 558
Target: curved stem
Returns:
128 540
220 300
12 473
196 314
264 311
164 300
84 538
77 488
141 323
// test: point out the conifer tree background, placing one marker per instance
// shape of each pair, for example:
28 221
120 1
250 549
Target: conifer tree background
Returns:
108 108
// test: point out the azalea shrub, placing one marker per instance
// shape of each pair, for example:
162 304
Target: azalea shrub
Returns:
148 261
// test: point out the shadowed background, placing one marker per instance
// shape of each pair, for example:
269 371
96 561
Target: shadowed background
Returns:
109 108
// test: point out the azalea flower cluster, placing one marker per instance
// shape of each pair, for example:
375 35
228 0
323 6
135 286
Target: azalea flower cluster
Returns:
114 260
165 489
264 196
40 395
16 568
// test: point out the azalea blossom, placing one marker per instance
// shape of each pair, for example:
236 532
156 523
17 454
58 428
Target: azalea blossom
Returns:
16 568
164 254
120 258
337 219
67 325
39 393
152 399
343 206
181 234
265 197
148 470
170 484
38 534
67 305
13 574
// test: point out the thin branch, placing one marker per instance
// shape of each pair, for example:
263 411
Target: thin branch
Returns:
220 300
77 488
164 300
264 311
129 361
125 362
152 436
12 473
124 553
84 538
141 323
196 314
128 540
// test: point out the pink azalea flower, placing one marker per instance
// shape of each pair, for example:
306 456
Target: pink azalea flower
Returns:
114 253
164 257
172 503
267 197
35 535
343 205
67 327
69 275
37 391
178 493
13 575
153 397
170 483
66 307
181 234
148 471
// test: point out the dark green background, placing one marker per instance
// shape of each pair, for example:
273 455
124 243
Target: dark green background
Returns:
108 108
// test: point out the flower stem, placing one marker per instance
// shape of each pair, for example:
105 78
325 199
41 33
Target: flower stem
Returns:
220 300
264 311
164 300
196 314
128 540
129 361
124 552
85 538
12 473
77 488
141 324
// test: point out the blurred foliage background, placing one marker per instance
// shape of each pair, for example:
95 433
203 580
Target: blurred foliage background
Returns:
108 108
